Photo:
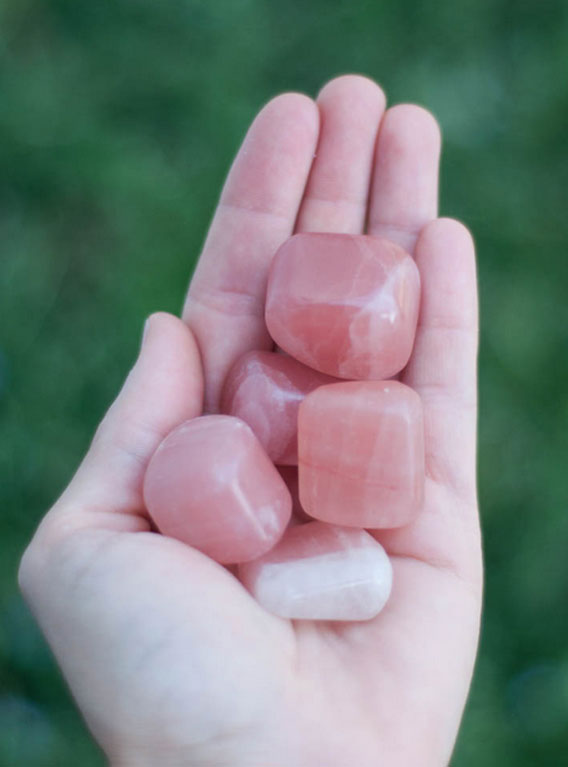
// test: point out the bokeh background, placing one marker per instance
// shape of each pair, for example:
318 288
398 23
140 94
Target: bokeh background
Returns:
118 119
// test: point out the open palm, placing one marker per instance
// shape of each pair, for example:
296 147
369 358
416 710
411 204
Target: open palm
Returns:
169 658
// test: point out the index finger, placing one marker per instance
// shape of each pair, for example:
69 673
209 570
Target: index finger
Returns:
256 213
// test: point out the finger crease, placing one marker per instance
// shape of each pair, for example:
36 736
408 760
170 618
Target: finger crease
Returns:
257 211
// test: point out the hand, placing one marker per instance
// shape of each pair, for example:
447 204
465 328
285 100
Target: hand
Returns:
170 660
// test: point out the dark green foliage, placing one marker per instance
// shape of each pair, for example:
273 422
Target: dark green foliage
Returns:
117 124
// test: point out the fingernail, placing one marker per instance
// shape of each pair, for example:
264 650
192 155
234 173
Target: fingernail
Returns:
145 331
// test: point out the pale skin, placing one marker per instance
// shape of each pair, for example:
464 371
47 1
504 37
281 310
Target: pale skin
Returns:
170 660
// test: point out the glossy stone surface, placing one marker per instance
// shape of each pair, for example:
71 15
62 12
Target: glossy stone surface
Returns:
322 572
346 305
265 389
211 485
361 454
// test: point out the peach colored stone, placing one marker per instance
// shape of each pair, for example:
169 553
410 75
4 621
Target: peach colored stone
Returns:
321 572
211 485
265 389
346 305
361 454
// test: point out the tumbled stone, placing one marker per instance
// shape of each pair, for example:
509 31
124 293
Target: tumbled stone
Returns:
346 305
361 454
321 572
211 485
265 389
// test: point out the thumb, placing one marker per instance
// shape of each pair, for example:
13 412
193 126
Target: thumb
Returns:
164 388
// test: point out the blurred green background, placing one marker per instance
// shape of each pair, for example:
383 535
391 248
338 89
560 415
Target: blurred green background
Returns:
117 124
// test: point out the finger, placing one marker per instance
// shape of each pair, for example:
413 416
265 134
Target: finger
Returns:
163 389
442 370
443 365
256 213
351 108
404 188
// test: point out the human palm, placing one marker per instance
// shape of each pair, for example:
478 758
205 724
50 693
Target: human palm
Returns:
170 659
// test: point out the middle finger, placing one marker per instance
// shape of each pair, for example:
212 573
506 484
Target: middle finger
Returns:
351 108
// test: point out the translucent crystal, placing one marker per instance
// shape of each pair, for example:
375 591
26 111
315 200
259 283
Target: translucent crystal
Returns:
265 390
361 454
321 572
346 305
211 485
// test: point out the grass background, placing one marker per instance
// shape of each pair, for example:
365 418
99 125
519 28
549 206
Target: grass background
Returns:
118 119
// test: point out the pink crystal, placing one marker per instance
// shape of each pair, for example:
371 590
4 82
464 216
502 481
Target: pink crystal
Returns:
346 305
321 572
361 454
265 389
211 485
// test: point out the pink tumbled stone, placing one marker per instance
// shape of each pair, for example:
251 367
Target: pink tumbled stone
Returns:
211 485
361 454
321 572
346 305
265 389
